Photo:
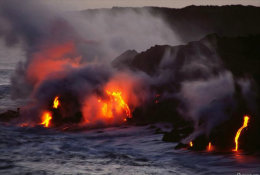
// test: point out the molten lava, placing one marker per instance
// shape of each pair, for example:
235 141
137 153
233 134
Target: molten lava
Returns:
209 147
121 104
114 103
46 118
246 119
111 108
191 144
56 103
107 111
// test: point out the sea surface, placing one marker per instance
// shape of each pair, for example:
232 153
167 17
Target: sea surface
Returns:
9 58
115 150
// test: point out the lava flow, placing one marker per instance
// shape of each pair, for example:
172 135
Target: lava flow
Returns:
115 104
118 98
246 119
209 147
56 103
46 118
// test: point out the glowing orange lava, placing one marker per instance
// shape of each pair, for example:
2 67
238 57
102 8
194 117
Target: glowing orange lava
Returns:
107 111
46 118
114 105
246 119
191 144
56 103
116 97
209 147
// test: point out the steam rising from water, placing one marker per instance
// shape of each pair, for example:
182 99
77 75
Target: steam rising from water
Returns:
69 54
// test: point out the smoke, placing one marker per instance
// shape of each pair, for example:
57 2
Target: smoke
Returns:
95 37
207 92
249 92
68 54
120 31
208 102
31 23
92 95
72 85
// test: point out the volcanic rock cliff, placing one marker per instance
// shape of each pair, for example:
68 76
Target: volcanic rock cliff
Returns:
201 61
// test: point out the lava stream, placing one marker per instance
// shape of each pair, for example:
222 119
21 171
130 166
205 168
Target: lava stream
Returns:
191 144
246 119
209 147
56 103
46 118
117 97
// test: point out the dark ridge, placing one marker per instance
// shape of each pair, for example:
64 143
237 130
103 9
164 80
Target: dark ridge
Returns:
241 55
124 59
152 55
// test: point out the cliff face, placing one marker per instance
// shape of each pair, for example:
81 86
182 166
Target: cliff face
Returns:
223 69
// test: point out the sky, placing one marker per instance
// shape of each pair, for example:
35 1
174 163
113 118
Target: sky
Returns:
92 4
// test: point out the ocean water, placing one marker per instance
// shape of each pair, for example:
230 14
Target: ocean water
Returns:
119 150
9 57
115 150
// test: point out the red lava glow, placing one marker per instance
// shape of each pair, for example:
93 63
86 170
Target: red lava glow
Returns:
52 59
46 118
56 102
117 97
246 119
111 109
24 125
209 148
115 104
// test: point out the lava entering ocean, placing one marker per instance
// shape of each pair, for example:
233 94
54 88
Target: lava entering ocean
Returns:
191 144
46 118
245 123
56 103
117 98
112 108
114 105
209 148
